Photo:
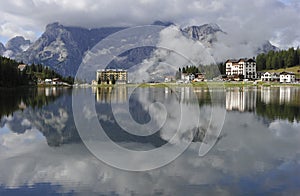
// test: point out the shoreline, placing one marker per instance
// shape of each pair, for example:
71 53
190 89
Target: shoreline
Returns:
203 84
162 85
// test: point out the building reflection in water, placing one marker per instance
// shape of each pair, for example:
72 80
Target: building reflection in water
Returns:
237 99
119 94
245 99
285 94
241 99
111 94
49 91
281 95
266 96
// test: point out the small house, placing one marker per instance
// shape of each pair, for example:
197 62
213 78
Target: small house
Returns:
270 77
169 78
48 81
21 67
56 81
287 77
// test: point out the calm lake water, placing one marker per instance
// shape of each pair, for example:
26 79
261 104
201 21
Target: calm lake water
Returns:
256 153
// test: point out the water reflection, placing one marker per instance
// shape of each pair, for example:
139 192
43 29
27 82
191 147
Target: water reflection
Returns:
281 95
262 100
181 104
253 157
270 103
279 103
47 110
183 94
106 94
241 99
19 99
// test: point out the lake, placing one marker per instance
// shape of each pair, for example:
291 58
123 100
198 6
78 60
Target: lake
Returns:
150 141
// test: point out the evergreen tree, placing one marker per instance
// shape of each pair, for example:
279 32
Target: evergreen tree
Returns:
278 59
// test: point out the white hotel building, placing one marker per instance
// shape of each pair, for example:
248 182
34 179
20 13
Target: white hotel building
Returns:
245 67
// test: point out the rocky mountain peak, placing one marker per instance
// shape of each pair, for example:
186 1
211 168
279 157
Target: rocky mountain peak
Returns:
55 31
54 25
211 27
161 23
15 46
62 48
266 47
2 48
17 42
206 33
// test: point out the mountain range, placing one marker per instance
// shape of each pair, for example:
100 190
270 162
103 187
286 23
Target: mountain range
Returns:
62 48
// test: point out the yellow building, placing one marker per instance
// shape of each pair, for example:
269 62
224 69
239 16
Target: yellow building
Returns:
112 76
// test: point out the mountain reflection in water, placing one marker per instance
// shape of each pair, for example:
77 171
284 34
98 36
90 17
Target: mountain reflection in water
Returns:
258 151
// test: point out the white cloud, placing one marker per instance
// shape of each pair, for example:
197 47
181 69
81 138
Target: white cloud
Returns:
285 129
12 29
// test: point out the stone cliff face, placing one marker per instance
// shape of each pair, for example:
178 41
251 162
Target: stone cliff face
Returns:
63 48
206 33
14 47
2 49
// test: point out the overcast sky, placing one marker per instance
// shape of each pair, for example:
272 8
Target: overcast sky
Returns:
275 20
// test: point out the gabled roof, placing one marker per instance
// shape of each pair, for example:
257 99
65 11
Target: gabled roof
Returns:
250 60
231 61
240 60
21 67
287 73
247 60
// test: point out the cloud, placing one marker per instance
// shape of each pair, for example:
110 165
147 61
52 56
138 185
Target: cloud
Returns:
285 129
174 50
255 21
244 154
17 26
250 150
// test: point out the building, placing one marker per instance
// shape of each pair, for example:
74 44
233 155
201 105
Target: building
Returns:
187 77
94 83
48 81
112 76
286 77
56 81
260 74
169 78
242 67
21 67
270 77
199 77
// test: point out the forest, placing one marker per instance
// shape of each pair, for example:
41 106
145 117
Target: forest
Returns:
210 71
11 76
278 59
273 60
